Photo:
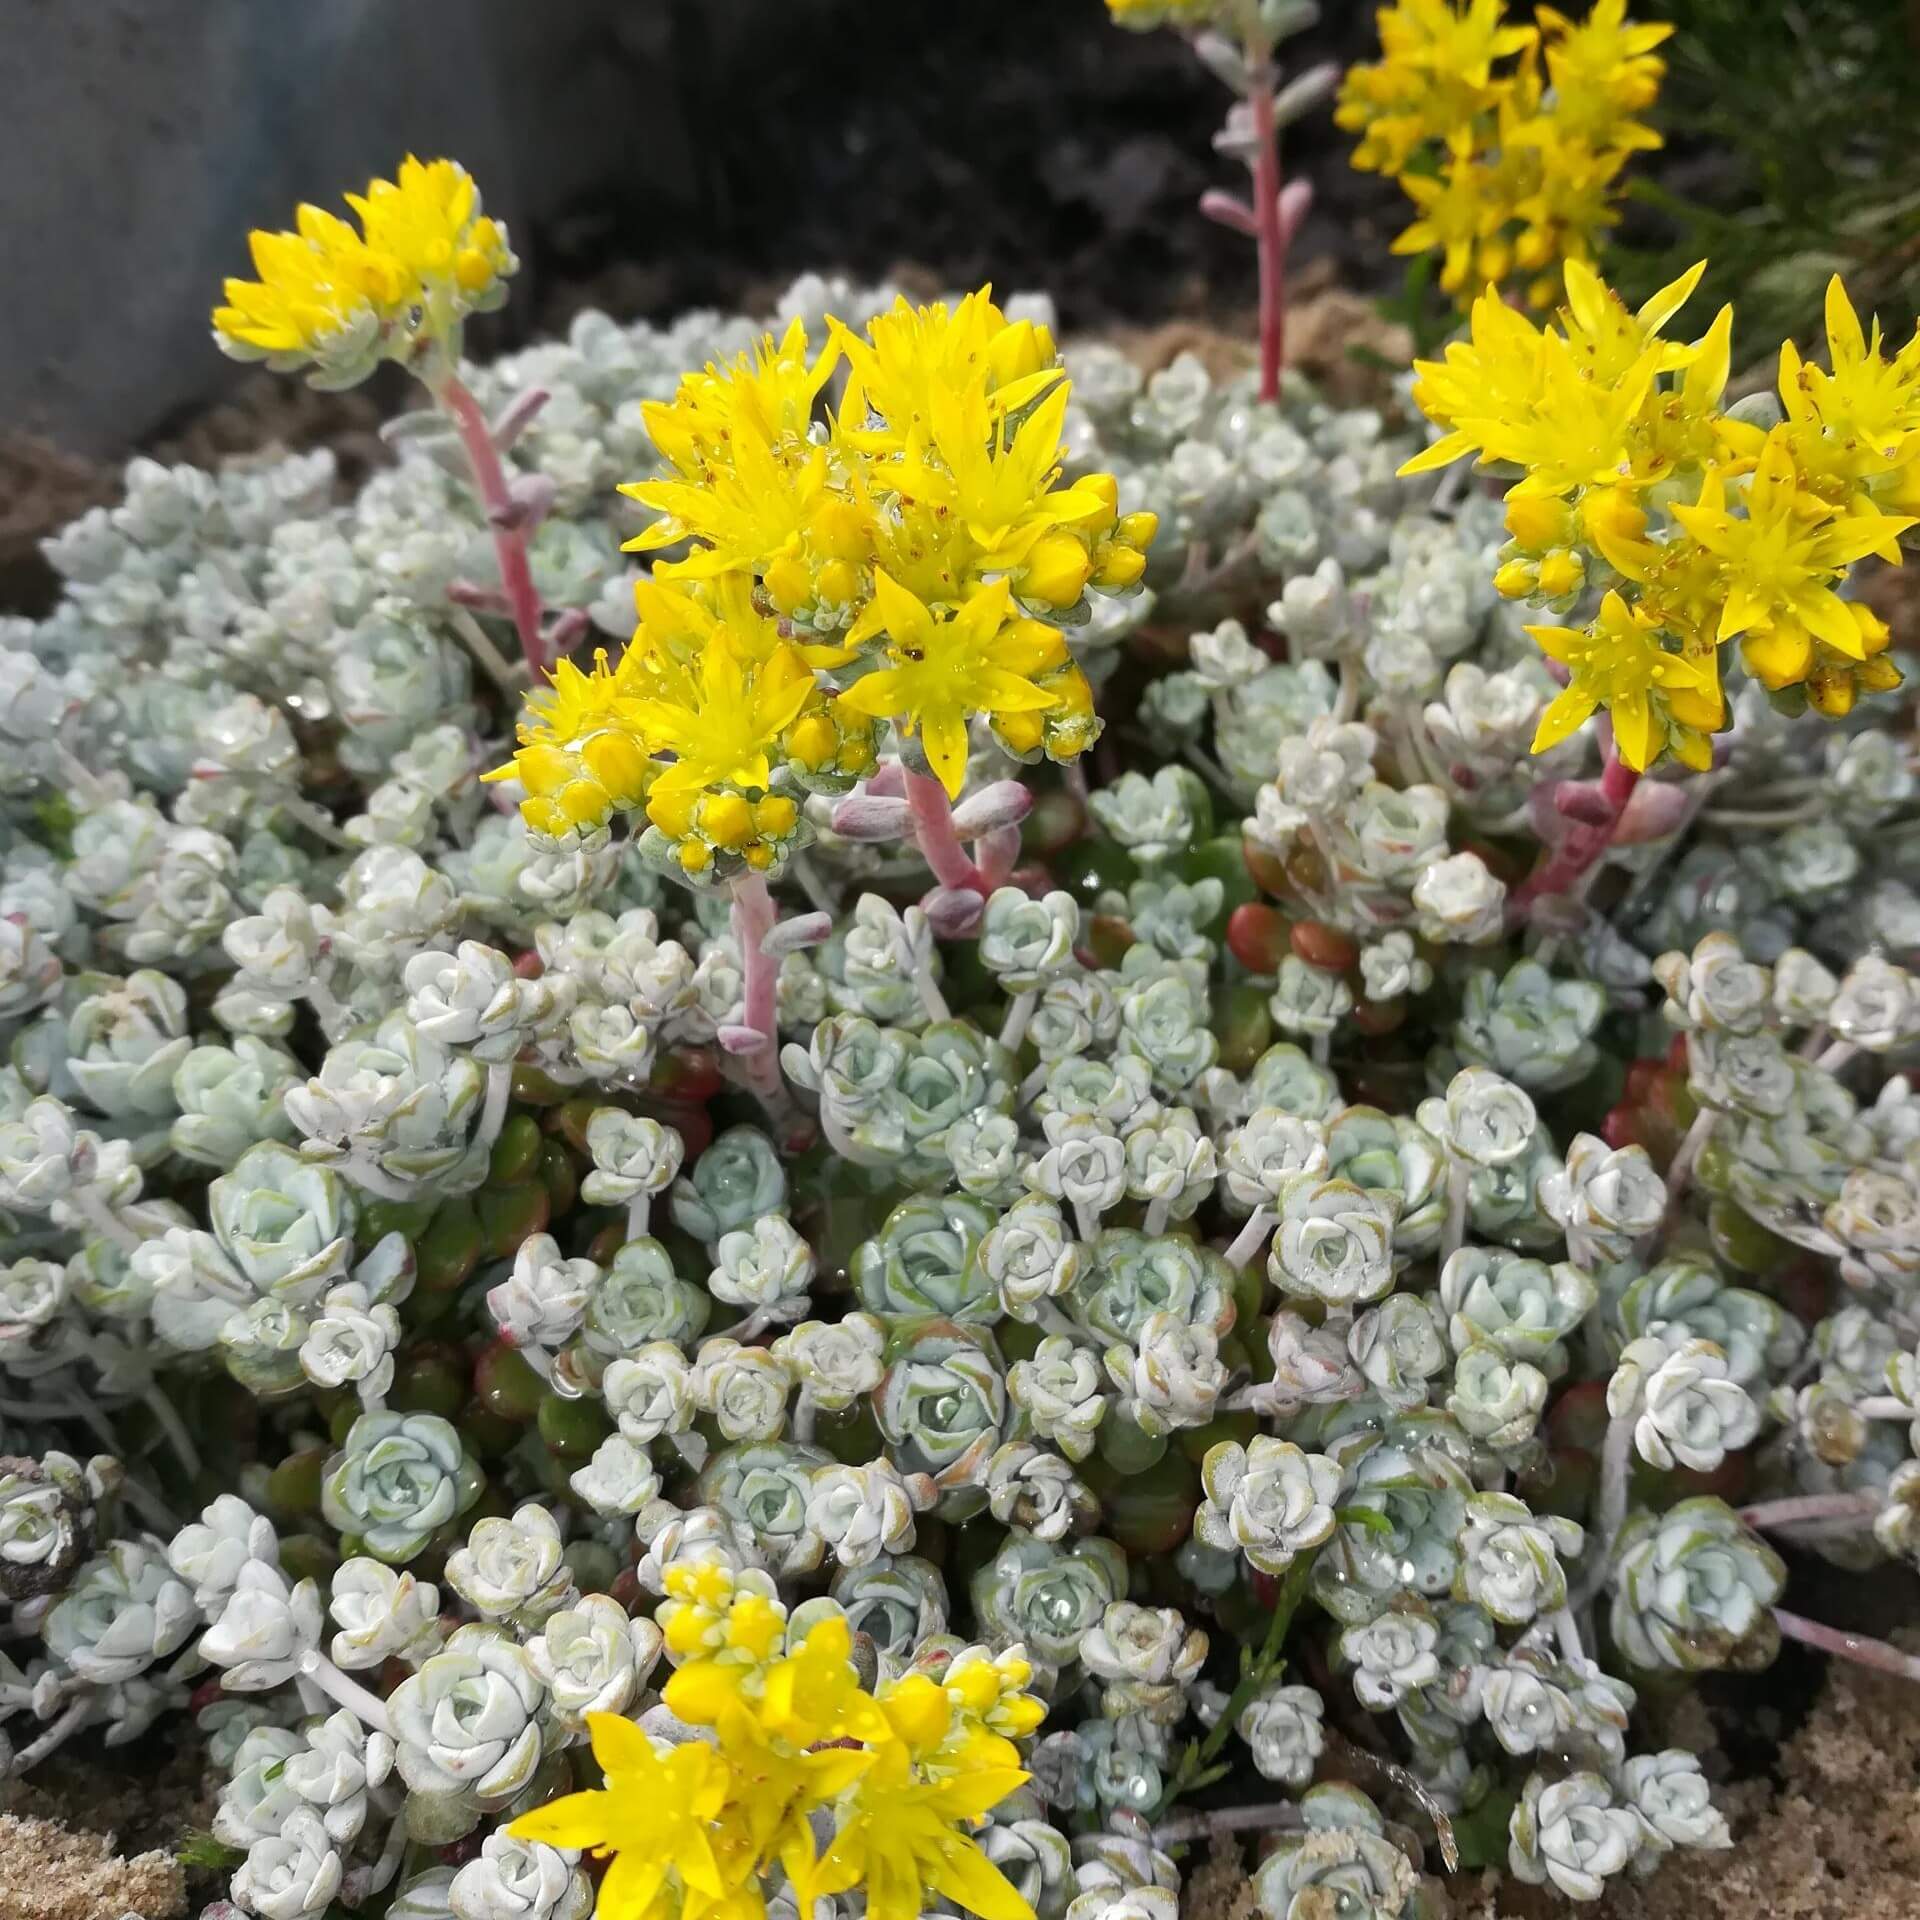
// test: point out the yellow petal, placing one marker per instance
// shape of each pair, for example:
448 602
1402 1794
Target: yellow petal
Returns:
576 1820
618 1744
1633 730
629 1887
1566 714
943 736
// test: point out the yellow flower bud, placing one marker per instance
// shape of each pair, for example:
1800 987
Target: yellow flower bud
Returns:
1613 517
812 740
1875 634
775 817
726 819
1108 490
620 764
1057 571
544 769
1516 580
758 855
695 856
1778 657
789 583
1561 573
672 813
583 803
840 529
686 1630
839 582
919 1710
1536 523
1120 569
1137 530
1022 732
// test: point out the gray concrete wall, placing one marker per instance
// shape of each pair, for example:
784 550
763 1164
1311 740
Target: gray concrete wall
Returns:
141 139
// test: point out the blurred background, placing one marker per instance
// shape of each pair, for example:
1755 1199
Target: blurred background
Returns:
675 152
651 155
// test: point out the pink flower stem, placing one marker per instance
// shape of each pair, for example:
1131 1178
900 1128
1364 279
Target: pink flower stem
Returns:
1796 1509
1861 1649
509 536
1581 849
753 916
1269 229
933 828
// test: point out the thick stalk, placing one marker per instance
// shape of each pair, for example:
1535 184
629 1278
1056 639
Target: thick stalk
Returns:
367 1707
55 1736
933 828
1459 1182
1249 1240
509 537
1681 1171
1861 1649
1280 1816
753 918
1269 230
1013 1029
493 1107
1583 846
1796 1509
1616 1477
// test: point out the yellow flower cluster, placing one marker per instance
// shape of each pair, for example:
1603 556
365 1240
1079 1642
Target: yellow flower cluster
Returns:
912 557
1509 140
1702 528
898 1775
340 300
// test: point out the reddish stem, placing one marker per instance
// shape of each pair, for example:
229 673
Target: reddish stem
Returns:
1583 846
509 541
1269 231
933 829
1861 1649
1797 1509
753 916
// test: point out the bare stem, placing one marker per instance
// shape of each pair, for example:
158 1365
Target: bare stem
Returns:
1013 1030
1860 1648
1797 1509
1681 1171
316 820
509 538
1269 228
1246 1243
933 828
55 1736
1616 1475
1583 846
510 679
1275 1816
493 1110
367 1707
1459 1179
753 918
